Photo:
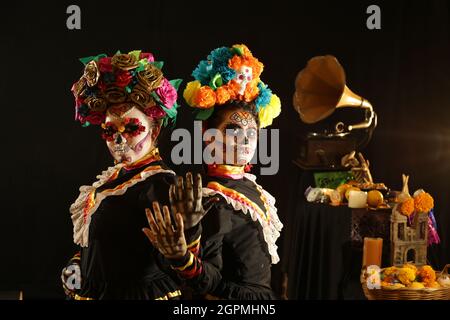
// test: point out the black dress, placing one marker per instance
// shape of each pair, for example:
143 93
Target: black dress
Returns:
117 260
233 259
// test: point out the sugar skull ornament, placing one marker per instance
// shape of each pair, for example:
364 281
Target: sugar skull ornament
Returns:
244 76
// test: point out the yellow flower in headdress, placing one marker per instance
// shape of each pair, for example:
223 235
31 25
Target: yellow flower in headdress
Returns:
271 111
191 91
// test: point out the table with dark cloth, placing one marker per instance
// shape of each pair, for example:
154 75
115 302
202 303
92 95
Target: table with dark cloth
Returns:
322 250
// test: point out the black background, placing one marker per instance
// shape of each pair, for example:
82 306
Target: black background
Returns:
402 69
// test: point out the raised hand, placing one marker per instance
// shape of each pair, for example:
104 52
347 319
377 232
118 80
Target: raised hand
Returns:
186 198
170 241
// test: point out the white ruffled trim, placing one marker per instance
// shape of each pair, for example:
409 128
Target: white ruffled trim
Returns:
271 229
80 226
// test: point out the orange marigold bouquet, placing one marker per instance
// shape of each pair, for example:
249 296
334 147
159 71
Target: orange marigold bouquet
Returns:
409 276
231 74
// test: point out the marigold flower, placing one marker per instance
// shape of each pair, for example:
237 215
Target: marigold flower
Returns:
433 285
427 275
251 91
407 207
205 97
416 285
423 202
411 266
390 271
222 95
237 62
191 91
406 276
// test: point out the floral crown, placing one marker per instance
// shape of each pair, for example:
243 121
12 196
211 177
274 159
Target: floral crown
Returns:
133 77
231 74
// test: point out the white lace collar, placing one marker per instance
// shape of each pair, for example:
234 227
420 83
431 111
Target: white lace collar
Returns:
88 201
271 227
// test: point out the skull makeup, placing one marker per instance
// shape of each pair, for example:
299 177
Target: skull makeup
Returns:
129 133
244 76
239 137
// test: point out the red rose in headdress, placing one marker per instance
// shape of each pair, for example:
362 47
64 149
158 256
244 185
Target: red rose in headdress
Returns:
123 78
95 118
147 55
154 112
104 64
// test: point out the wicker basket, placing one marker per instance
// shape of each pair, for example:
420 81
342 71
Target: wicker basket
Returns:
407 293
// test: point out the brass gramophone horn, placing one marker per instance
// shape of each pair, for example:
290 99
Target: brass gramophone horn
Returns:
320 89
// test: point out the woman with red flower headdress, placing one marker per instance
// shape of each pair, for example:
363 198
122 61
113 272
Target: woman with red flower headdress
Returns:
128 95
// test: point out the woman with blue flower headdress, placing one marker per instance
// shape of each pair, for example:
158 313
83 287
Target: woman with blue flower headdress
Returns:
232 258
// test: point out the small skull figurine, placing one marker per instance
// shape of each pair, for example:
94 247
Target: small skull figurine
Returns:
244 76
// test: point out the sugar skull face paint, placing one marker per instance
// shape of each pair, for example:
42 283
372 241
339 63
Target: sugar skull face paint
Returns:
239 137
129 133
130 127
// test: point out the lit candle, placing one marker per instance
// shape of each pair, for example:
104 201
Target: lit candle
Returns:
373 249
357 199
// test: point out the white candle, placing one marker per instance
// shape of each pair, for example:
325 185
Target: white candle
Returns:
357 199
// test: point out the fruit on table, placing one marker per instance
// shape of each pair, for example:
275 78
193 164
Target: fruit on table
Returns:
374 198
342 188
335 198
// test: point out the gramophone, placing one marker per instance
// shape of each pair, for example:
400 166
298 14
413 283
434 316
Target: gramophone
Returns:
320 90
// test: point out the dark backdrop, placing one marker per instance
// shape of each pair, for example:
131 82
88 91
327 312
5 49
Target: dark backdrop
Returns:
403 69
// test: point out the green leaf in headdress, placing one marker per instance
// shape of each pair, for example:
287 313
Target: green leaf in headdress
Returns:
176 83
238 51
216 81
135 53
86 124
158 64
141 66
86 60
172 112
204 114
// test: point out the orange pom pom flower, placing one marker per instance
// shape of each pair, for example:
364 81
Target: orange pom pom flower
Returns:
222 95
423 202
427 275
205 98
407 207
